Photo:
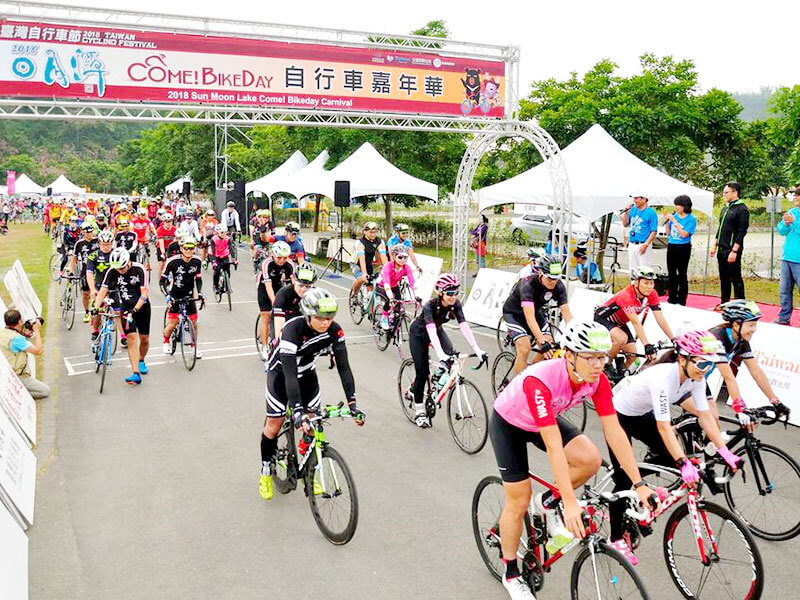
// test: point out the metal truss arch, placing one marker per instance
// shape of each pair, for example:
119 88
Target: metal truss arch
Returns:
551 154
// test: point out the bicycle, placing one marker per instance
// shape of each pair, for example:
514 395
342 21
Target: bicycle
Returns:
598 571
143 256
54 265
235 248
399 323
224 287
553 327
467 415
327 481
259 257
769 503
106 343
363 302
694 535
69 297
185 332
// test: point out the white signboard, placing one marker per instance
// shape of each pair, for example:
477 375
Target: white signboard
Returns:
17 469
431 268
775 347
17 402
27 288
484 305
13 558
18 296
3 307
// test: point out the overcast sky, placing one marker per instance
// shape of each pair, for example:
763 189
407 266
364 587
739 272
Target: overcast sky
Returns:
736 45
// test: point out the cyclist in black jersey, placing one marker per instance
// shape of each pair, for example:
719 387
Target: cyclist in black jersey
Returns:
292 379
68 240
741 319
370 251
427 329
287 300
80 254
525 310
274 274
125 238
181 275
97 264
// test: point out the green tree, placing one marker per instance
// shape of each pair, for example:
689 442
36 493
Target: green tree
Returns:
784 129
22 163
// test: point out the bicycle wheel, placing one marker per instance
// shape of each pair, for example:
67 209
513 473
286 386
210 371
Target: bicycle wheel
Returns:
68 308
335 508
217 292
405 383
188 343
285 463
487 504
228 289
55 266
502 335
768 500
734 568
576 415
602 572
355 303
105 358
502 371
379 334
467 417
259 345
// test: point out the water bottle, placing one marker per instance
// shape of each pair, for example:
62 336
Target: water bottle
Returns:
302 447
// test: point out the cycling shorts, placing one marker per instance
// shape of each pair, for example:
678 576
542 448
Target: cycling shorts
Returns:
264 303
140 323
510 445
610 325
277 398
191 310
518 326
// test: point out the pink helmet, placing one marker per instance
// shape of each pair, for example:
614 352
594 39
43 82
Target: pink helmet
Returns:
698 342
447 281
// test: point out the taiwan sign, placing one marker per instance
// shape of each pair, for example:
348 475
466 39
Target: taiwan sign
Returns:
39 60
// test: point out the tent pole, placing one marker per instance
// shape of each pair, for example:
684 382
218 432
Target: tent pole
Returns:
708 251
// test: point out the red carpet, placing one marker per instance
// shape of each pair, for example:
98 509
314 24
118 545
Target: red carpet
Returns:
770 311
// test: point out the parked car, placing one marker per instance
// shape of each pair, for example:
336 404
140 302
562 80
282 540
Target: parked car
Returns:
535 227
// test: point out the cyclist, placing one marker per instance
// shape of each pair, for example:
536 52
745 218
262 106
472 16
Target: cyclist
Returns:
260 234
291 233
525 311
125 238
121 211
97 264
370 251
182 273
220 253
189 225
427 329
165 235
145 230
741 319
229 217
129 281
80 253
101 221
392 274
207 231
292 378
625 307
287 299
643 405
528 410
533 254
82 214
68 240
401 237
272 277
174 247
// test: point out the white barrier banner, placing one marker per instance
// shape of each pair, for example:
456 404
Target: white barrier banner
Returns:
484 305
17 469
17 401
18 296
431 269
775 348
27 288
3 307
13 558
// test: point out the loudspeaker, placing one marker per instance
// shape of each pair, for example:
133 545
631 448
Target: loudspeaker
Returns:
187 188
341 193
49 191
238 190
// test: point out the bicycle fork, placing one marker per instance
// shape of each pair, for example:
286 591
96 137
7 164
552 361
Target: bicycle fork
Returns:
695 516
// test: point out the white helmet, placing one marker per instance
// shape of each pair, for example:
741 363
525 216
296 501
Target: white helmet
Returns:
586 336
219 228
120 258
281 249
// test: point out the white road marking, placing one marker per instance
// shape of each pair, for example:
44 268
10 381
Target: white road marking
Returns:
70 370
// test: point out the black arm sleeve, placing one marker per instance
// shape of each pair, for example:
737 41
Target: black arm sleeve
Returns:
289 369
199 283
343 366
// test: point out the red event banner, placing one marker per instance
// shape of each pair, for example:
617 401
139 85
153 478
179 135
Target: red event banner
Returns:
45 61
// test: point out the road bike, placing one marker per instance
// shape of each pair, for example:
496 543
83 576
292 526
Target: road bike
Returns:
143 257
54 265
69 297
553 327
223 288
708 550
105 345
185 332
467 415
399 322
235 248
327 481
767 495
363 302
598 571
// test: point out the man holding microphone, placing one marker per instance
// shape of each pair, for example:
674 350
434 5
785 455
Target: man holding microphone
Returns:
643 223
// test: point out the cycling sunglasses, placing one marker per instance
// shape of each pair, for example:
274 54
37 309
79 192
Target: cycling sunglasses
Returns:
704 365
450 293
401 256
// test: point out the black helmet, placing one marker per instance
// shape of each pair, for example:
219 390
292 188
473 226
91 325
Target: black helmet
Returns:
549 266
740 310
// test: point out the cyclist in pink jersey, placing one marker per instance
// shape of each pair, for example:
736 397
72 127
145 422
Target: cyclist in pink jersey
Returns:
219 252
392 274
528 410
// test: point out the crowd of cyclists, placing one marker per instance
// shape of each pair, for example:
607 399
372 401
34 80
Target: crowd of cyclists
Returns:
107 245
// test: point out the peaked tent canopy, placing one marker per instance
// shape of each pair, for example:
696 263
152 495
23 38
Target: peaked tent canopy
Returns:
602 176
25 185
266 184
177 185
62 185
369 174
295 183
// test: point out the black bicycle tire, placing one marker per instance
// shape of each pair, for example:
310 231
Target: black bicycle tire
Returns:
345 536
379 335
188 362
775 537
104 368
70 308
286 437
53 266
603 548
744 533
354 306
259 345
579 409
478 534
482 409
228 290
501 335
505 355
407 411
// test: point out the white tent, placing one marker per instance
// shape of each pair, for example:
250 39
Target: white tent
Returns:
602 175
266 184
25 185
369 174
62 185
177 185
295 183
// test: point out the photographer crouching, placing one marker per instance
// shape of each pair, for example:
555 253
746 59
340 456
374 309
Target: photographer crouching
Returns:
19 339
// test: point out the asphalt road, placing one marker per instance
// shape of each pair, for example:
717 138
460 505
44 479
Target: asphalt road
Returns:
151 491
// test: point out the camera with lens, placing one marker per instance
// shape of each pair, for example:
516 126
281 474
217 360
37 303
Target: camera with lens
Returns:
29 323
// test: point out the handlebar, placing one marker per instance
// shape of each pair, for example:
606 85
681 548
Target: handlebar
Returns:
660 345
773 413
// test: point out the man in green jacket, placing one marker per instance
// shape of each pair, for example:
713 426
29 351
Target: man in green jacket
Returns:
789 226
